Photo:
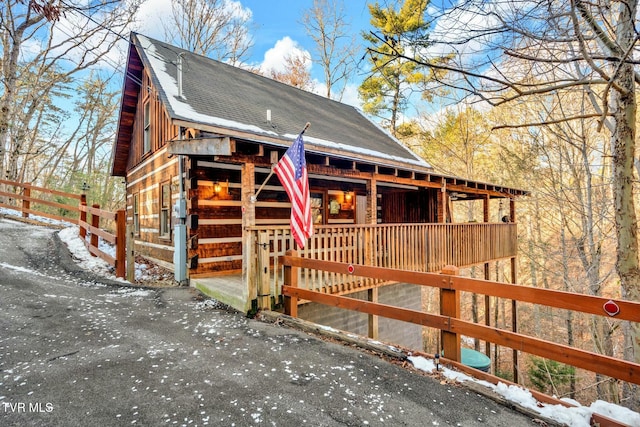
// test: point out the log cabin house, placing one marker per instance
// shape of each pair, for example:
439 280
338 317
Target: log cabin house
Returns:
221 129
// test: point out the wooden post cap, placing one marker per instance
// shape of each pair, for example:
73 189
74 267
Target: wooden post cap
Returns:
451 270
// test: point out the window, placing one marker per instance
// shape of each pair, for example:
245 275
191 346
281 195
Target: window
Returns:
165 210
147 129
136 214
317 207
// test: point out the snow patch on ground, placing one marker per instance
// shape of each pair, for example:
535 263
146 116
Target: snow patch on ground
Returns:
577 416
70 236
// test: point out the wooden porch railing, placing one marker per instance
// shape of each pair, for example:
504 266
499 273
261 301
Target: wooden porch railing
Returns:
452 327
415 247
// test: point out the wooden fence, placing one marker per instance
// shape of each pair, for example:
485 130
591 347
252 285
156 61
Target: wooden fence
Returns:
448 320
118 240
29 204
416 247
74 214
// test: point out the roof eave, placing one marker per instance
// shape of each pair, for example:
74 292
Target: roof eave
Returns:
126 114
309 146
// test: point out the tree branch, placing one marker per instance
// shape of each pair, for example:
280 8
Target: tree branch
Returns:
548 122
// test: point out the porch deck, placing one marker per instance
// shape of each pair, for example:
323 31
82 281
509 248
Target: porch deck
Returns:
230 290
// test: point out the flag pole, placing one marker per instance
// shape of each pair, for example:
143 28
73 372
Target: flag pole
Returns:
255 196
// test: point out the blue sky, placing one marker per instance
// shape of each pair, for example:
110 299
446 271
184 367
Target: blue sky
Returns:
275 19
277 31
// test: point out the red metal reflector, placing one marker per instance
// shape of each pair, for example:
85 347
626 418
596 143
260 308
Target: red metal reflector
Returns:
611 308
351 269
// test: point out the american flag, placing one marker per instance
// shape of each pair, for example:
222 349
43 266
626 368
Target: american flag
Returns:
292 172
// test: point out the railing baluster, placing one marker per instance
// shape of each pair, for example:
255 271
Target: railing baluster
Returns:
415 247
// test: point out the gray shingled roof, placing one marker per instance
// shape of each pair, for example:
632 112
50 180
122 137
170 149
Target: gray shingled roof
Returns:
225 96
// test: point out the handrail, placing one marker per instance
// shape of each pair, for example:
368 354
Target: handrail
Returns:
606 365
118 239
417 247
42 189
26 207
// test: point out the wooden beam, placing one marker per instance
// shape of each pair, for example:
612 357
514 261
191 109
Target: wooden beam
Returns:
248 219
607 365
372 202
372 295
201 146
450 307
486 204
514 319
291 279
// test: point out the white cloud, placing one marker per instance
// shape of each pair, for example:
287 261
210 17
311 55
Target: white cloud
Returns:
275 58
463 29
350 96
150 15
153 15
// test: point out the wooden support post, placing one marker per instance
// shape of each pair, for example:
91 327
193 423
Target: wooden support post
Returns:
95 222
121 242
514 320
26 204
249 255
372 201
514 306
131 263
487 309
372 295
264 286
83 218
450 307
487 275
441 201
291 279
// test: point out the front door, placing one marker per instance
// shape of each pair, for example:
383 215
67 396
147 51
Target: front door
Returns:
361 209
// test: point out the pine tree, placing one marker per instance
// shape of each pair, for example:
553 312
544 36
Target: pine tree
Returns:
387 90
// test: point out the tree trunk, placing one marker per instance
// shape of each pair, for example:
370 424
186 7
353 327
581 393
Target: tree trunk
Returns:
627 266
12 43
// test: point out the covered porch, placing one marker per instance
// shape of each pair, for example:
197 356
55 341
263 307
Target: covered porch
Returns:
384 216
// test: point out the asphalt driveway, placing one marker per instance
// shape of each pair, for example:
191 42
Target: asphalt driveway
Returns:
76 349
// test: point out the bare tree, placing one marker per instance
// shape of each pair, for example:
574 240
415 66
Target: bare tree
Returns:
296 72
45 45
565 46
219 29
579 190
335 49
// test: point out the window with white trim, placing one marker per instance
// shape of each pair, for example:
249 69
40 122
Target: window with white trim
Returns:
165 210
146 140
136 214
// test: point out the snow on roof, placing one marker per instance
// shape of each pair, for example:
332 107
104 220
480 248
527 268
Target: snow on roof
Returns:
180 107
224 96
